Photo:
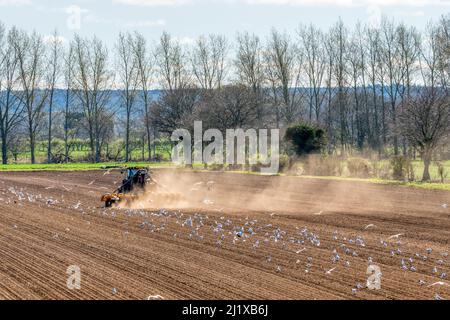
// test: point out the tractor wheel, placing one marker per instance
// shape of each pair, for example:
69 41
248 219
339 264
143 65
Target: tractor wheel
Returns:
108 203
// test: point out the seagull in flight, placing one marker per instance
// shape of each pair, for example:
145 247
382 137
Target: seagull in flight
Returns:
318 213
369 226
301 250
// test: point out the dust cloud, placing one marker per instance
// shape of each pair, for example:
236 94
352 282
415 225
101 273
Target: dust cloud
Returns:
188 189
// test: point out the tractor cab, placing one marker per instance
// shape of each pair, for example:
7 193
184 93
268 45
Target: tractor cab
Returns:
134 176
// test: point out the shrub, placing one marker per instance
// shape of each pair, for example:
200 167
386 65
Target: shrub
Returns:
319 165
305 138
402 168
215 166
381 169
359 167
235 167
410 171
256 167
296 168
441 171
284 162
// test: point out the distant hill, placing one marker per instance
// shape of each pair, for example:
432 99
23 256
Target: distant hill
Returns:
59 96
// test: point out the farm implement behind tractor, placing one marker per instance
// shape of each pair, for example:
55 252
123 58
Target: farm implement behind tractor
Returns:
139 178
135 177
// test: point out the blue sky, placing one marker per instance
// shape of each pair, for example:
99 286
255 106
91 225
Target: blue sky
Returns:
187 19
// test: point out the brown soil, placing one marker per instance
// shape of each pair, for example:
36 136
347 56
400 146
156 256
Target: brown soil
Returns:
193 247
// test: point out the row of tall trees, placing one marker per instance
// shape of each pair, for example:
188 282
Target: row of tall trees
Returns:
355 83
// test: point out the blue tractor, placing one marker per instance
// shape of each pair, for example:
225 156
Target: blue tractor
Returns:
134 177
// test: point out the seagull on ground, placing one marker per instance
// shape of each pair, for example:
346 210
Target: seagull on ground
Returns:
396 236
439 283
331 270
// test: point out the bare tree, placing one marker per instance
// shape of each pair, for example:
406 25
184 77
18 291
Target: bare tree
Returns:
425 122
176 106
170 63
355 60
394 73
330 92
92 82
10 106
443 37
144 69
409 43
430 58
248 62
69 60
373 63
409 46
282 69
208 60
314 66
128 75
30 52
52 78
339 51
355 83
250 68
231 107
359 60
176 109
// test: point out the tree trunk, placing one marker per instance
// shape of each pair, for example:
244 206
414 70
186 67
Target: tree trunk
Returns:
147 126
66 137
49 146
127 138
143 148
92 146
154 144
97 151
4 150
66 148
97 143
32 151
426 157
149 145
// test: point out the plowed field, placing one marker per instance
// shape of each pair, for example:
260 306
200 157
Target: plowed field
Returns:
232 236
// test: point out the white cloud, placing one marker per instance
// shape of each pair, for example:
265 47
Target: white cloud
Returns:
374 16
154 3
185 40
93 18
351 3
343 3
417 13
146 23
52 39
96 19
11 3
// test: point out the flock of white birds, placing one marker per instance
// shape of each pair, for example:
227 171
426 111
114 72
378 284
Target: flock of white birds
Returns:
228 231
